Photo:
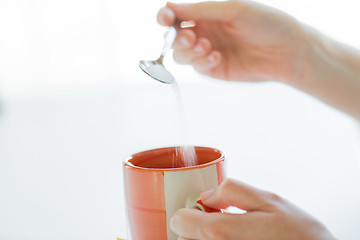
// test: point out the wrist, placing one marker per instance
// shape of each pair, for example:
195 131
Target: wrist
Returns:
306 56
303 54
328 70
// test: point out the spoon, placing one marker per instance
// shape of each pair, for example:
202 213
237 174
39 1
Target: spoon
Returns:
155 68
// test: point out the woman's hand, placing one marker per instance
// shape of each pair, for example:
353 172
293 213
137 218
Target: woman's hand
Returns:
238 40
248 41
268 217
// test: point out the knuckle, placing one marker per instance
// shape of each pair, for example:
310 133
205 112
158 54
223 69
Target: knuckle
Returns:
273 200
227 185
205 43
273 197
188 34
226 188
204 40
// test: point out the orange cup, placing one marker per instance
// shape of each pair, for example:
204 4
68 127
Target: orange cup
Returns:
155 190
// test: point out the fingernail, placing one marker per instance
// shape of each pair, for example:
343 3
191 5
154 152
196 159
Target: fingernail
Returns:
206 195
184 41
198 48
169 13
173 222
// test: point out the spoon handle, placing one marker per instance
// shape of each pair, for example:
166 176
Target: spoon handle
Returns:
169 38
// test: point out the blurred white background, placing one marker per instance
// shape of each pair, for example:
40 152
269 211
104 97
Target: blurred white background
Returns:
74 104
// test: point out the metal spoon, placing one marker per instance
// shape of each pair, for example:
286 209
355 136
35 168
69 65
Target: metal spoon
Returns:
156 69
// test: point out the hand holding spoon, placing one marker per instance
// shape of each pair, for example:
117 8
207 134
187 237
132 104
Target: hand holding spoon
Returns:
155 68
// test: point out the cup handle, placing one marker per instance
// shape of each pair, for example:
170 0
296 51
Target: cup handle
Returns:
195 202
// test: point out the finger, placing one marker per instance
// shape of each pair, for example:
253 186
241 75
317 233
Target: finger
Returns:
238 194
200 49
186 223
166 16
207 63
206 10
185 39
194 224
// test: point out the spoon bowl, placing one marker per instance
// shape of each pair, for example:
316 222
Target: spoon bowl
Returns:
156 68
157 71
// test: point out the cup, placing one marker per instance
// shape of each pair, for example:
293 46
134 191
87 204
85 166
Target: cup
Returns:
155 190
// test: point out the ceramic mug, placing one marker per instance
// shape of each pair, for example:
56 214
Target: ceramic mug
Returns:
155 190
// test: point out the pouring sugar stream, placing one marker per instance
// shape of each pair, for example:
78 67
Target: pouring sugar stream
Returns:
186 155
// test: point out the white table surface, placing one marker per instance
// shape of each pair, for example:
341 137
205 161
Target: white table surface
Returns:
61 153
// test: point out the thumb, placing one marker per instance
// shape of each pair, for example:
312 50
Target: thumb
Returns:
237 194
206 10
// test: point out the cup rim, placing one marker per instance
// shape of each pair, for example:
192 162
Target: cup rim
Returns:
128 164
